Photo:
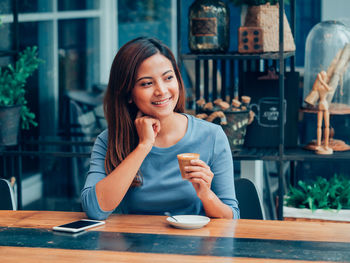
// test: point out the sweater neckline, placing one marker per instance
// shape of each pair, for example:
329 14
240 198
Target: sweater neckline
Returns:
181 142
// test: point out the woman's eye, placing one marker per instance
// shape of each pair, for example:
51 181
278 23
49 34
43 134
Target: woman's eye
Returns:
170 77
145 84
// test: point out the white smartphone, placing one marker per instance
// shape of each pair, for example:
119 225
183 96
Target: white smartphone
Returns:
78 226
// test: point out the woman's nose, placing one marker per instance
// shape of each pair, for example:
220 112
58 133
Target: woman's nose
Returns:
160 88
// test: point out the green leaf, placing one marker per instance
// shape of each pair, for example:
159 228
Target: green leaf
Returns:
321 193
13 79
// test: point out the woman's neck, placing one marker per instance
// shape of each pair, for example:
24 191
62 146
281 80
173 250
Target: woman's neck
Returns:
172 130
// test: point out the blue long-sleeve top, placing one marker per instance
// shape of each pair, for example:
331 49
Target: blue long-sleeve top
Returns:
163 189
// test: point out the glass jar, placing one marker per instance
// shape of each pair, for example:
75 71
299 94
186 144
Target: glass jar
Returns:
208 26
324 43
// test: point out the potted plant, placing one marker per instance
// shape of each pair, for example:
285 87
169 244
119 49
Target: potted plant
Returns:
321 199
13 104
262 15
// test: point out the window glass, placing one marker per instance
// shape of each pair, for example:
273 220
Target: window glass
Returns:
70 62
5 43
34 6
78 53
69 5
308 14
144 18
29 33
5 6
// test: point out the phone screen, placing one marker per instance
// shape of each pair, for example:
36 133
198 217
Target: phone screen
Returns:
79 224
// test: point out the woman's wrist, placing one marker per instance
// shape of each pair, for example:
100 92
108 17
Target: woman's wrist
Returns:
147 147
214 207
206 196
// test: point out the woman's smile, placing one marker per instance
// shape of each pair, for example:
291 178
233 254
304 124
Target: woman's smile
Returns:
162 102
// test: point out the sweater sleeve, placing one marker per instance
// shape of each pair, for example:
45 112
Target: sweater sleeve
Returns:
222 167
96 173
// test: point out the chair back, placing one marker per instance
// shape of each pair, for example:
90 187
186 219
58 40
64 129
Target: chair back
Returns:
7 200
248 199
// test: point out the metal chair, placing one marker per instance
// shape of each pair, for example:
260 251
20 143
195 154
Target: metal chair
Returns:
248 199
83 123
7 199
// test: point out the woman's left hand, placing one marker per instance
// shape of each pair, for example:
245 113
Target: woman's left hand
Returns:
200 175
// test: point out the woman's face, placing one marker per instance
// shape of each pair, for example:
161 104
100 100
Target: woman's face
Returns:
156 89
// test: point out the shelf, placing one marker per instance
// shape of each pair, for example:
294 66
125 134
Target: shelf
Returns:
50 148
292 154
236 55
252 154
299 154
4 53
46 154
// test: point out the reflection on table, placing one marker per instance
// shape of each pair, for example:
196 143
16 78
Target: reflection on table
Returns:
27 236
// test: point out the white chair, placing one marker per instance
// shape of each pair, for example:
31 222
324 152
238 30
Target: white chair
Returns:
7 199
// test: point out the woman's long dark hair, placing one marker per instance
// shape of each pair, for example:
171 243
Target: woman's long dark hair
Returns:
119 112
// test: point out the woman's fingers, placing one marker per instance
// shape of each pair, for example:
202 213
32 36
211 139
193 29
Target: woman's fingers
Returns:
147 128
147 122
199 172
201 163
199 166
194 168
199 176
200 182
156 126
141 118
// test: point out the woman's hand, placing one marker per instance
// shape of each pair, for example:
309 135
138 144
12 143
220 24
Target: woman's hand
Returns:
147 129
200 175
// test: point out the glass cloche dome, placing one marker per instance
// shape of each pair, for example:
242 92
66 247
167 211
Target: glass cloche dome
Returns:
328 49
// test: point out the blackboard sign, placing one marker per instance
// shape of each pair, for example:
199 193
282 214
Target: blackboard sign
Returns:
264 93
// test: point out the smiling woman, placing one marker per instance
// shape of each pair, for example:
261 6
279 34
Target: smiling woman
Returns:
134 166
157 90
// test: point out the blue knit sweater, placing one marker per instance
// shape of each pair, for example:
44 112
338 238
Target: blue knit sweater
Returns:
163 188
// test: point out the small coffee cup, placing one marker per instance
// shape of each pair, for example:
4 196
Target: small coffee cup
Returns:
184 159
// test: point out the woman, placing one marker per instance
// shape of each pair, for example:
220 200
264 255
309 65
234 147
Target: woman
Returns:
133 164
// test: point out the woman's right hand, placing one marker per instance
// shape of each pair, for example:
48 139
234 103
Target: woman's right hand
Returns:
147 128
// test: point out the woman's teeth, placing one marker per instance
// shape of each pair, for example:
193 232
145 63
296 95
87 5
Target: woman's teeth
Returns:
160 102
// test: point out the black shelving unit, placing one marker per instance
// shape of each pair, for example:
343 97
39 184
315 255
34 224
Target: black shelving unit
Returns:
229 62
290 154
299 154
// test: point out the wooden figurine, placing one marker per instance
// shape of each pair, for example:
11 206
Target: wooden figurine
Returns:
322 92
322 89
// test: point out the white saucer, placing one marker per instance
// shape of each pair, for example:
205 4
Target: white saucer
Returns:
188 221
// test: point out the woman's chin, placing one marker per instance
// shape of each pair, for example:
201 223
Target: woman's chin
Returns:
163 114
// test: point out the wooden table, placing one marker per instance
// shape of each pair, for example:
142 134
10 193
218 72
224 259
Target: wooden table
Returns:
26 236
